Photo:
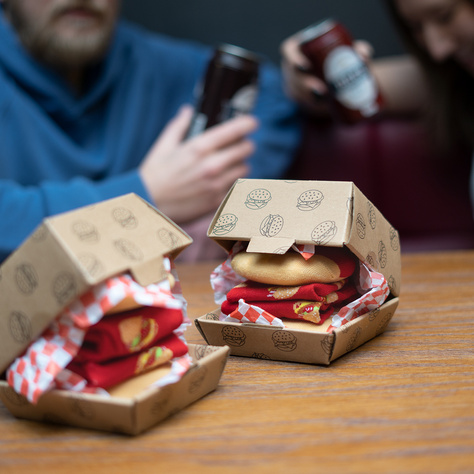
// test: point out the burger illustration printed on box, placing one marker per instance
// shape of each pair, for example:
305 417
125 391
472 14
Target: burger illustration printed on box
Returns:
309 200
258 198
310 264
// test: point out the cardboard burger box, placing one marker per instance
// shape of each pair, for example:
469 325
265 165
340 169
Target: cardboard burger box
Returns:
66 256
272 216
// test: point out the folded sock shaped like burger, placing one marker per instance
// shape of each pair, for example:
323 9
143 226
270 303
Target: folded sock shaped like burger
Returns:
288 286
111 372
119 335
126 344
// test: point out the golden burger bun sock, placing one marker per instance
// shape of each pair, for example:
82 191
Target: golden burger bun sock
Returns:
327 265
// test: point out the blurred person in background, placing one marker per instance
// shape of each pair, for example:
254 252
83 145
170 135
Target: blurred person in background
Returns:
440 36
435 80
92 107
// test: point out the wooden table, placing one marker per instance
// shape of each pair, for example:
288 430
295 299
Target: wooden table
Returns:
403 402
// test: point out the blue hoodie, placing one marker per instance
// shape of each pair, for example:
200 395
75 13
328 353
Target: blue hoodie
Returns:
59 151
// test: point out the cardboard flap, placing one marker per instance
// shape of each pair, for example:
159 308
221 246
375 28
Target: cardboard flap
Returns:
270 244
374 241
37 282
117 235
305 212
258 325
362 329
152 271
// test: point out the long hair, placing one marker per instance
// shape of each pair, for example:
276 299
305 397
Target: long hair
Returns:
450 112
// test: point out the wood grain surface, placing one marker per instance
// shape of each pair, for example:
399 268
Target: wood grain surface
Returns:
401 403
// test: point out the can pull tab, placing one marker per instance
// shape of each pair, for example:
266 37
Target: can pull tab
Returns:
275 245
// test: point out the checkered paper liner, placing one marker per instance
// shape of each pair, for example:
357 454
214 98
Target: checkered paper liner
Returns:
372 286
179 367
223 277
306 250
375 291
249 313
42 367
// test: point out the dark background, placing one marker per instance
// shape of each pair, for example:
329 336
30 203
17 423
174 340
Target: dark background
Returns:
261 25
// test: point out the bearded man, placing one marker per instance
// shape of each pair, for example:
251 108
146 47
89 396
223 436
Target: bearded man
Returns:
92 107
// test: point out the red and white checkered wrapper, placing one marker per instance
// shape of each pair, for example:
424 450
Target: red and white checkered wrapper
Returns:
42 367
372 286
306 250
179 367
375 291
248 313
223 277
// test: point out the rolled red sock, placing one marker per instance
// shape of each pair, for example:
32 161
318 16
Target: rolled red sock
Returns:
107 374
313 311
119 335
253 291
316 310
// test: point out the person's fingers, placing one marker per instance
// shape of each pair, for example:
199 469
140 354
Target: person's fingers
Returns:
219 162
315 85
223 135
190 199
175 130
306 87
364 49
293 56
301 82
219 187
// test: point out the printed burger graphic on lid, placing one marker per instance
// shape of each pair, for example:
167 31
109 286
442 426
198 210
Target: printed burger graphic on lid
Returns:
225 224
324 232
258 198
271 225
309 200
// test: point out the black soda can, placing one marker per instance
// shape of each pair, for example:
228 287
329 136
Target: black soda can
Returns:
328 46
229 88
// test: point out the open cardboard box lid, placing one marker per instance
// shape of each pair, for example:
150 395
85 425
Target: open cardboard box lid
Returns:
61 260
272 215
71 252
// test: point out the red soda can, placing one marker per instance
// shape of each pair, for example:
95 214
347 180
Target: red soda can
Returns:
229 88
328 46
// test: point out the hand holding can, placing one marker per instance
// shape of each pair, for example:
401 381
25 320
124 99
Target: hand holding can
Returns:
328 46
229 88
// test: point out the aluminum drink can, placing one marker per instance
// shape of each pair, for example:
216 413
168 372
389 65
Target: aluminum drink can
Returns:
229 88
328 46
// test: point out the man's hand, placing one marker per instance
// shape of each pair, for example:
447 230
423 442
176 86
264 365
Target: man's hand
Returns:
301 84
188 179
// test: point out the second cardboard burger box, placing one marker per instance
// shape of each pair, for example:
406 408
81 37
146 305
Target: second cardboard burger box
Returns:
273 215
65 257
